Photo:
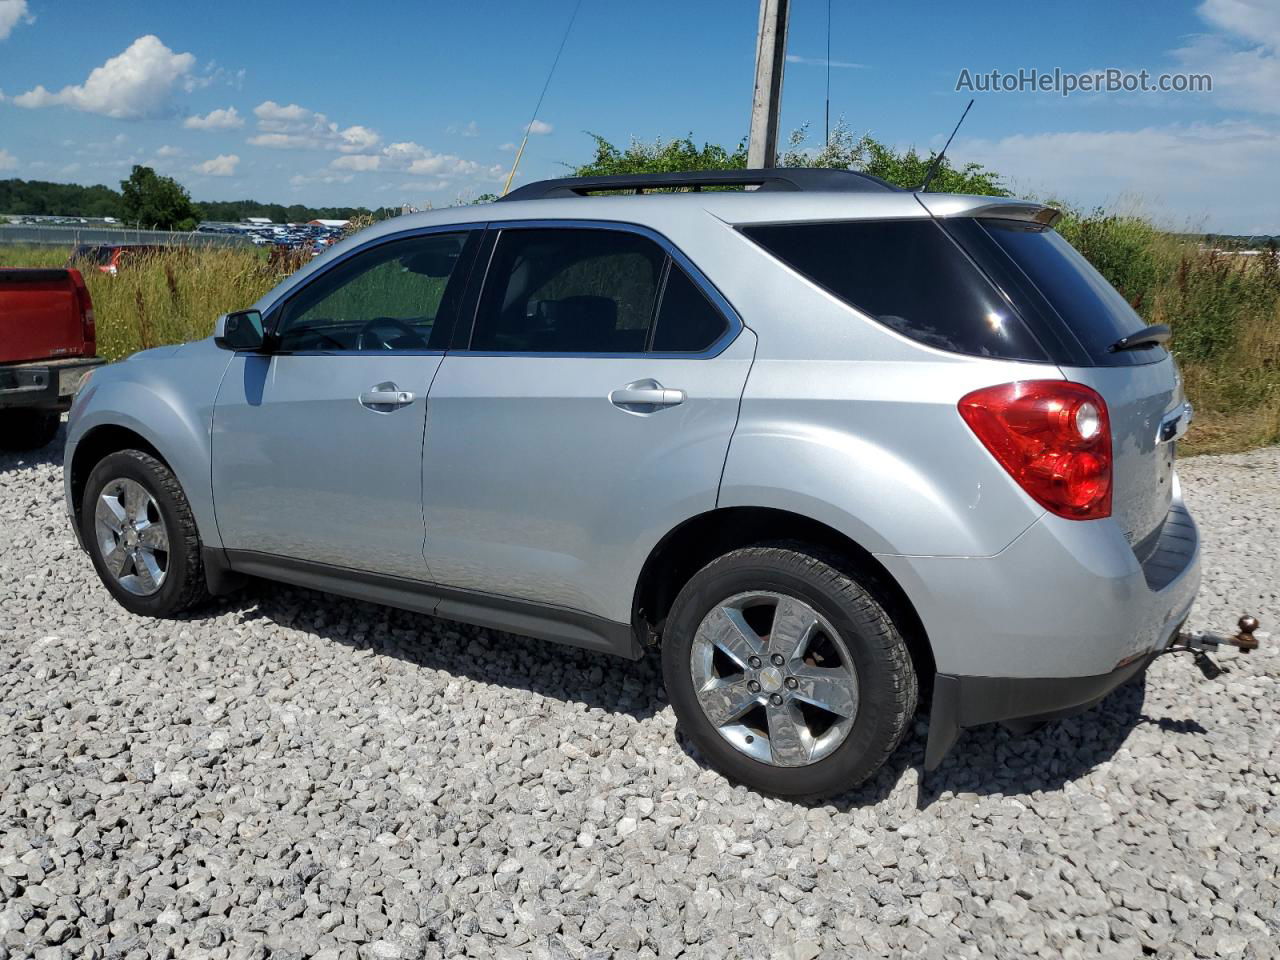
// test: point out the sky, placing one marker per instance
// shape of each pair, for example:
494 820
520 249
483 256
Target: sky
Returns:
338 103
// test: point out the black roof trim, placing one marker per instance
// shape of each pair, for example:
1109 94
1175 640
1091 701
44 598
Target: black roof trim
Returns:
806 179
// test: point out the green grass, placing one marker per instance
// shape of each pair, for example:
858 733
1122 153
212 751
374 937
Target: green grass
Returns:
1224 311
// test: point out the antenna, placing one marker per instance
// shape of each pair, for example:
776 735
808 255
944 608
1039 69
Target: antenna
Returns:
538 106
937 161
826 127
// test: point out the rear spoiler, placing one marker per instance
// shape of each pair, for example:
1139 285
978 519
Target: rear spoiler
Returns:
946 205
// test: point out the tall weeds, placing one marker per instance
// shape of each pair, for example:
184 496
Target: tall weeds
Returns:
1224 309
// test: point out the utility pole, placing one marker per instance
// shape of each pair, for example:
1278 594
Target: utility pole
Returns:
766 101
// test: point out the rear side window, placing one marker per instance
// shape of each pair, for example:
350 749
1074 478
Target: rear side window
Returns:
562 290
687 321
1096 314
908 275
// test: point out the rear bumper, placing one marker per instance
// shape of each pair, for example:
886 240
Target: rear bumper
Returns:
960 702
1050 625
46 385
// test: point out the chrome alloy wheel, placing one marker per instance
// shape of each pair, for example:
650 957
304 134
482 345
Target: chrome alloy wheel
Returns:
131 536
774 678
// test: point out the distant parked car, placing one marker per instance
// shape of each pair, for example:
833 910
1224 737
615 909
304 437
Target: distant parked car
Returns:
47 345
110 257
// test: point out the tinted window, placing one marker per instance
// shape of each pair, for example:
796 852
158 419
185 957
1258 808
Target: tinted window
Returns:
386 298
687 321
1095 312
569 291
908 275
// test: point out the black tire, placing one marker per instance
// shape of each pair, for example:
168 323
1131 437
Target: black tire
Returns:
184 583
28 429
886 679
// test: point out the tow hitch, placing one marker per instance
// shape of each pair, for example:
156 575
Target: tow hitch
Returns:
1199 646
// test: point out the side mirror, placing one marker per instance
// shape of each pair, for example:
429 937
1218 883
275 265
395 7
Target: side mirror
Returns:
241 330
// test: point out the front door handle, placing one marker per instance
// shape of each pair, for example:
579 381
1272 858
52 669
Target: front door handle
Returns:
644 396
385 397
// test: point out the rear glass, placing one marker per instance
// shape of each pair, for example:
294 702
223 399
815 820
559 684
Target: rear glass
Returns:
98 255
1094 311
908 275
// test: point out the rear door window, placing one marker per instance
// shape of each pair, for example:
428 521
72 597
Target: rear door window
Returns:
566 290
908 275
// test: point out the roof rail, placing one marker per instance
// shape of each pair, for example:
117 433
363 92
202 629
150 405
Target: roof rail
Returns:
807 179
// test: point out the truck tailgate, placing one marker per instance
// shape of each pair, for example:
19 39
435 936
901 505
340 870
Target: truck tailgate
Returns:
41 316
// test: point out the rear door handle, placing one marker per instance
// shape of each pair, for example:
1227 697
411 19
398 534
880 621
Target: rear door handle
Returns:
644 396
385 397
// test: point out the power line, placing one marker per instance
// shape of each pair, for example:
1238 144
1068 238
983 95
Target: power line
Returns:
538 105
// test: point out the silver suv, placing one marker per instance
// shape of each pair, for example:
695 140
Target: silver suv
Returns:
830 445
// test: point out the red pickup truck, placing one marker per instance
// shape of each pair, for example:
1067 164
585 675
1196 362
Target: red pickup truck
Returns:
47 346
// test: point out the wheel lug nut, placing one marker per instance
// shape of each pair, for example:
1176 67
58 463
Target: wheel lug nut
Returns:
777 660
792 683
776 700
753 686
754 662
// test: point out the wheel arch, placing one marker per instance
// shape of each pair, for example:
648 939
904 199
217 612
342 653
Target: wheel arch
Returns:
101 441
699 540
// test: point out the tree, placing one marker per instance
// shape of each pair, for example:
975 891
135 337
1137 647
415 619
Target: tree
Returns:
661 156
842 151
156 202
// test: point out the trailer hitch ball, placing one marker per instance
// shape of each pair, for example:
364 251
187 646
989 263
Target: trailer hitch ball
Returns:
1245 641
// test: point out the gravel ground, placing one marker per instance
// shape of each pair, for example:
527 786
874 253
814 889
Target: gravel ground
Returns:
293 775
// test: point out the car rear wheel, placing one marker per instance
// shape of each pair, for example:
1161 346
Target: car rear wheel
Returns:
28 429
786 672
138 527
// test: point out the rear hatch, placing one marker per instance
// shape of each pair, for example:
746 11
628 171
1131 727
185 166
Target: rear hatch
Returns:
1079 318
41 315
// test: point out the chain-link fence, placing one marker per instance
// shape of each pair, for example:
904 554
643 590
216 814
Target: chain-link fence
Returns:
65 236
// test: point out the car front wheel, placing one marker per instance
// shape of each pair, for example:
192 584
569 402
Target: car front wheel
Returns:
786 672
141 535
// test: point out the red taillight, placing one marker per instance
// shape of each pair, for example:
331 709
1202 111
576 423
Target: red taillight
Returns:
88 326
1054 439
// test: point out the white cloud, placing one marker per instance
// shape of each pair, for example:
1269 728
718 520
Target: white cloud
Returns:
213 73
1243 57
137 83
413 158
357 161
294 127
1255 20
222 119
8 161
167 151
223 165
12 13
507 147
358 138
1212 177
822 62
471 129
302 179
538 128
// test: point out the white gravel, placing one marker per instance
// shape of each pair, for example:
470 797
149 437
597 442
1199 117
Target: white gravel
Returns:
293 775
